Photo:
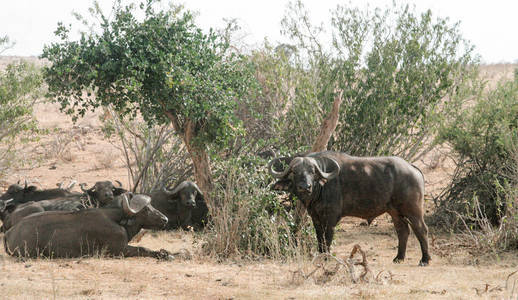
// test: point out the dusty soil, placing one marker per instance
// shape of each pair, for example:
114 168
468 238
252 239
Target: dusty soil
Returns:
81 152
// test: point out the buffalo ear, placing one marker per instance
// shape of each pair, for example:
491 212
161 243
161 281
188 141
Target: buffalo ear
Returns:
281 185
199 197
32 188
91 192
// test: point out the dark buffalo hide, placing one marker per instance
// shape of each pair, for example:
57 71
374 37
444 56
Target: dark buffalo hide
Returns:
107 231
332 185
184 206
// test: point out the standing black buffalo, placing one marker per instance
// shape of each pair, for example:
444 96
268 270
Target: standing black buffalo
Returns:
184 206
332 185
58 234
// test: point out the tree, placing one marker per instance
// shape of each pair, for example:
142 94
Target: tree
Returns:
160 65
20 86
394 67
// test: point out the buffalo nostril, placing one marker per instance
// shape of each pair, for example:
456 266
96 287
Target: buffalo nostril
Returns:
304 186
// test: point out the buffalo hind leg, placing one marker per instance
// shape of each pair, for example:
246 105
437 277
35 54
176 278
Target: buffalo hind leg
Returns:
131 251
421 232
328 238
403 231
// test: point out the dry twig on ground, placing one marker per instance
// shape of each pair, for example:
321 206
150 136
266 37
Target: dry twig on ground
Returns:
323 273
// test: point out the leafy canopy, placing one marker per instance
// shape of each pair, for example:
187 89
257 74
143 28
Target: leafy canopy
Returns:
394 67
161 65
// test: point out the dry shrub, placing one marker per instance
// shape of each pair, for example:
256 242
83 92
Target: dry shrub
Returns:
68 156
482 197
60 146
251 222
105 159
483 236
479 230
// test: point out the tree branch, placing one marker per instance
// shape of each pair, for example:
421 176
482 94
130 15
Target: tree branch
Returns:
328 125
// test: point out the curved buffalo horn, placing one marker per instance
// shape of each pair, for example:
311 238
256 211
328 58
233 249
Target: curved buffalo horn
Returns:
82 185
138 202
197 188
331 164
274 173
177 188
126 207
3 204
60 185
120 184
26 183
71 185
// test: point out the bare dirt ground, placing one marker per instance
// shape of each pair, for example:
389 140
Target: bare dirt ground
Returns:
81 152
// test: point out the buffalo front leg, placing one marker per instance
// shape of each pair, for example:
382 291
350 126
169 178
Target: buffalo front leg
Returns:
319 230
132 251
325 233
402 231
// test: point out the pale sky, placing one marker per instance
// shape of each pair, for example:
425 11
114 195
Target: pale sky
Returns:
492 26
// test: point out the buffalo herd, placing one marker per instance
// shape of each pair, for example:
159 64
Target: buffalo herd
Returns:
104 218
100 220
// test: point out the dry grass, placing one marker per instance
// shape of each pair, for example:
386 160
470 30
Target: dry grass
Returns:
203 277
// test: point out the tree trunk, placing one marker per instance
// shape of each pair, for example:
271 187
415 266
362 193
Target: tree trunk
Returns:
199 156
200 160
328 126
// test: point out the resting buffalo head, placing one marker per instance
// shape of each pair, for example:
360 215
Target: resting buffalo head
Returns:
186 192
139 207
18 192
103 192
302 173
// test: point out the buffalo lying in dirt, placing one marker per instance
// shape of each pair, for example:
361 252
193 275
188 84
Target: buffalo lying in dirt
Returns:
184 206
9 219
332 185
103 193
21 194
59 234
5 206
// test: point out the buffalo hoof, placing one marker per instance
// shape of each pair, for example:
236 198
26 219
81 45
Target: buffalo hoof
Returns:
398 260
165 255
423 263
